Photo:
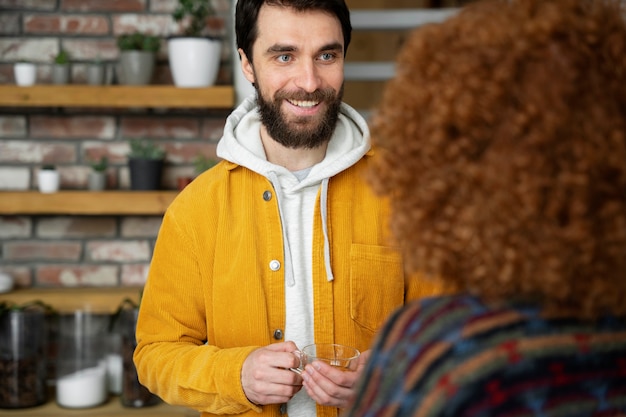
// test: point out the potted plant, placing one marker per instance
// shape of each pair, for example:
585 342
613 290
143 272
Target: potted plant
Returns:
24 73
95 72
48 179
61 68
98 175
145 163
137 56
194 57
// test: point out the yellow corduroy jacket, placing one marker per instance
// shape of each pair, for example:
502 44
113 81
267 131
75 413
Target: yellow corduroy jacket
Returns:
210 281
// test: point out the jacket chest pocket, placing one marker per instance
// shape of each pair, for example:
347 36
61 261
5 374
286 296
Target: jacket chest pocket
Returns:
376 284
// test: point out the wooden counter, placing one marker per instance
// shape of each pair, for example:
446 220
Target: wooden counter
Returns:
67 300
167 96
85 202
113 408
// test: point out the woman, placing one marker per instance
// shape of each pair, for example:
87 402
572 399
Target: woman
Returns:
503 148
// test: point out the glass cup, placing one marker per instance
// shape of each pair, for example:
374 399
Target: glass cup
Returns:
339 356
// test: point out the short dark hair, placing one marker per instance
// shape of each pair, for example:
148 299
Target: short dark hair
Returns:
247 14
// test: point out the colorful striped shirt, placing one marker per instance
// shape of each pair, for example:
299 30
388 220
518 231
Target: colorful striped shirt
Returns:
455 356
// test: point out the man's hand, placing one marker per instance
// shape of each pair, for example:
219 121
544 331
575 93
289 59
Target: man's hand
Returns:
330 386
265 376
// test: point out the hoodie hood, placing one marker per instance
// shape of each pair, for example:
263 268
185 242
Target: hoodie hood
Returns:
241 143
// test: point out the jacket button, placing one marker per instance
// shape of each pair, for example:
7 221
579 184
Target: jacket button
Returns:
278 334
283 409
274 265
267 195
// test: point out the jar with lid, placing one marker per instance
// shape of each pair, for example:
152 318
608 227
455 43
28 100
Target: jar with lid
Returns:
133 393
81 379
23 352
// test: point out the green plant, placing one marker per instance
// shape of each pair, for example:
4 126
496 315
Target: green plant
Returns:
48 167
201 163
143 149
138 42
62 58
193 13
101 165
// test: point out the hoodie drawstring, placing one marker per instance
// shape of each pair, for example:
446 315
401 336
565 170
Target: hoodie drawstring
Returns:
324 213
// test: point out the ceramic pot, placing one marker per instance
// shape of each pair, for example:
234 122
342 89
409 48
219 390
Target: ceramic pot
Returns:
136 67
145 174
61 73
97 180
194 61
25 73
95 74
48 181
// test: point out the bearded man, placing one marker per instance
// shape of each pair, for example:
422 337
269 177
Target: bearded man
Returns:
280 245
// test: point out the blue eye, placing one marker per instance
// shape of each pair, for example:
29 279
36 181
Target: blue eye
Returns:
327 56
284 58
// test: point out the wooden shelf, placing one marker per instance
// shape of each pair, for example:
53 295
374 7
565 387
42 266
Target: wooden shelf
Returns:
104 300
112 408
85 202
117 96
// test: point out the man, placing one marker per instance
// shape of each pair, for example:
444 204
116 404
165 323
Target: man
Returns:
282 244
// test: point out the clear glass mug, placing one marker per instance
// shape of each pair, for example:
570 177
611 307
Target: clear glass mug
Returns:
339 356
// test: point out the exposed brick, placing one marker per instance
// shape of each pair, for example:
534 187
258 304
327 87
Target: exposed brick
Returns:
77 275
115 151
185 153
36 152
213 128
148 23
28 4
12 227
104 6
78 127
91 49
143 226
32 49
41 250
163 6
65 24
133 275
75 227
14 178
166 128
9 23
12 126
120 251
22 275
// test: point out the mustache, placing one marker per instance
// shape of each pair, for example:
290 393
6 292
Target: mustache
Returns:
317 95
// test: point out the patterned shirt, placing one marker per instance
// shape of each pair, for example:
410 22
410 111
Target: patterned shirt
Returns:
455 356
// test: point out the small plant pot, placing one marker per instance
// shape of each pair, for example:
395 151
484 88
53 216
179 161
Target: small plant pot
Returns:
96 181
48 181
136 67
95 74
145 174
25 73
60 74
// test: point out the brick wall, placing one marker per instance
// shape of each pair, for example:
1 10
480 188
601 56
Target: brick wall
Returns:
58 251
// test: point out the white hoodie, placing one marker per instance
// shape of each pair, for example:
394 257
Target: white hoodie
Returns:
241 144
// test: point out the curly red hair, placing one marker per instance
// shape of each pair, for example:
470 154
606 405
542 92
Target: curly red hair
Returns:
502 144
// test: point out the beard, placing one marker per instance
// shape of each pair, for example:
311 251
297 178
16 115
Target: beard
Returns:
306 132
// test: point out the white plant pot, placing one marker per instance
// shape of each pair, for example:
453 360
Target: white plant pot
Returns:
25 73
194 62
48 181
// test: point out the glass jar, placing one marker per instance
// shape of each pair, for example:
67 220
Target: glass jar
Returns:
81 365
133 393
23 352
